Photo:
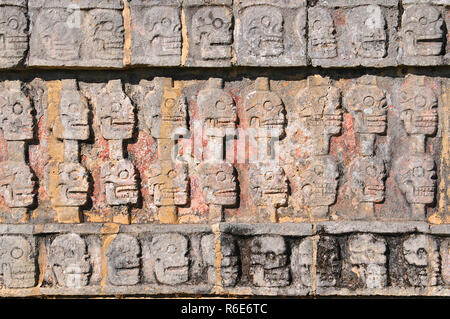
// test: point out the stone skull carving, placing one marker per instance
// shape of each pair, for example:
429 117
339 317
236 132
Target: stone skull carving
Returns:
367 26
13 32
169 183
69 261
319 105
123 260
120 183
217 107
106 34
329 262
367 176
17 185
269 262
301 262
229 267
265 110
163 30
419 252
263 31
218 184
422 31
58 40
416 177
115 112
171 263
322 40
445 260
17 262
16 118
319 181
368 255
418 106
212 32
268 185
73 185
74 113
368 106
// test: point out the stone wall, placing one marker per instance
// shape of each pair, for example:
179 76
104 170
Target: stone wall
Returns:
246 147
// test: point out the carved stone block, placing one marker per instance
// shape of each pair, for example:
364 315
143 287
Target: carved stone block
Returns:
76 33
353 33
210 31
270 34
73 185
13 32
123 261
301 262
156 32
17 184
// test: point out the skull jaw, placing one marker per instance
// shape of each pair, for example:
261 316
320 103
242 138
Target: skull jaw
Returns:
323 48
122 129
172 275
124 276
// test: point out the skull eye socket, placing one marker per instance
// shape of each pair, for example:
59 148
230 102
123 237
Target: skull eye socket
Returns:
107 26
115 107
13 23
317 25
124 174
16 253
217 23
73 175
169 102
270 255
371 171
221 176
221 106
421 253
171 249
420 101
418 172
268 106
265 21
268 176
322 101
318 170
369 101
166 22
17 108
403 96
423 20
171 174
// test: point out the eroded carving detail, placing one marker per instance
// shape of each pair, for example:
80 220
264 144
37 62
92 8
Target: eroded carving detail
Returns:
322 34
120 183
73 185
269 262
17 185
17 260
123 261
301 262
329 262
69 261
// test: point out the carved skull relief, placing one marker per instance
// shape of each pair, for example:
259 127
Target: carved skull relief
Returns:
115 112
368 259
17 262
418 106
445 260
58 40
422 31
218 184
269 262
421 251
416 177
13 32
106 34
301 262
329 262
120 183
74 113
229 267
367 27
17 185
368 106
16 119
367 176
169 183
212 32
319 181
73 185
268 185
263 31
69 261
319 105
123 260
171 263
265 109
163 30
322 40
217 107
